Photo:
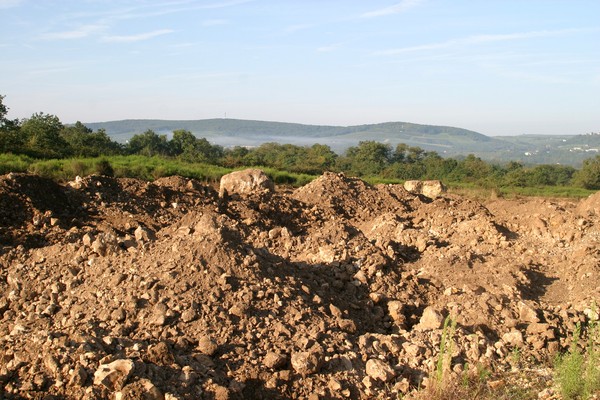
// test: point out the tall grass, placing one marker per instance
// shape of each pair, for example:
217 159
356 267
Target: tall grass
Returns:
578 374
13 163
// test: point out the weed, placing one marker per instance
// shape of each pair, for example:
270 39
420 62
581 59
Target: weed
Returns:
578 374
446 349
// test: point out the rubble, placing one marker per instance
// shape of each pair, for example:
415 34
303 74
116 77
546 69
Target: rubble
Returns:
336 289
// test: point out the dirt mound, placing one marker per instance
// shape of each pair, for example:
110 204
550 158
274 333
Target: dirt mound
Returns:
336 290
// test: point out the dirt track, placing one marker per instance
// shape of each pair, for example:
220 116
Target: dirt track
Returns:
334 290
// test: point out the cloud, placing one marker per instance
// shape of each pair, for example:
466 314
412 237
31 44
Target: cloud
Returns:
136 38
9 3
78 33
479 39
395 9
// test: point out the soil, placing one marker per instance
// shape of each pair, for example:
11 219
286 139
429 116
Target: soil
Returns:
119 288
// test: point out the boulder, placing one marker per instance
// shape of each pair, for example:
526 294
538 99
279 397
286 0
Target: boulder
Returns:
245 182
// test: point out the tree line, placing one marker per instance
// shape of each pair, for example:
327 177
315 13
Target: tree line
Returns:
44 136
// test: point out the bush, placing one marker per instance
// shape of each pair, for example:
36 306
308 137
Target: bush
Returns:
103 167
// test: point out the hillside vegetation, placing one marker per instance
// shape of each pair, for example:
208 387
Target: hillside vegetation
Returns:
29 144
447 141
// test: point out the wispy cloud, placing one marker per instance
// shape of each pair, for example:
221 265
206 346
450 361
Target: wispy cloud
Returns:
80 32
9 3
479 39
136 38
395 9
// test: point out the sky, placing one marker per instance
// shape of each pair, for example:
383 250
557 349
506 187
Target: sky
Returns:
498 67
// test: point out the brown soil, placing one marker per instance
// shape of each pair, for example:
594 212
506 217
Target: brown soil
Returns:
334 290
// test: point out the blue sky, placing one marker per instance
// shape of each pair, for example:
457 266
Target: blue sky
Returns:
500 67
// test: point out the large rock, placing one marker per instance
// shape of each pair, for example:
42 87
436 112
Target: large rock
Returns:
431 189
245 182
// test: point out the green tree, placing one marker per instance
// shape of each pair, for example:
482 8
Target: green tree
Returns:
10 139
86 143
472 169
319 158
148 144
233 158
588 176
42 136
369 158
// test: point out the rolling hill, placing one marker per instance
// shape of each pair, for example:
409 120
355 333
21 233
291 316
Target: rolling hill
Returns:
447 141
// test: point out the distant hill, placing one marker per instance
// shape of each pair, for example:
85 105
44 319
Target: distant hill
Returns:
447 141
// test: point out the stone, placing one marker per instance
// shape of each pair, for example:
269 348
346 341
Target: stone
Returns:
142 389
245 182
513 338
431 319
307 362
527 314
395 309
160 354
274 360
433 188
207 346
379 370
78 377
144 235
347 325
113 375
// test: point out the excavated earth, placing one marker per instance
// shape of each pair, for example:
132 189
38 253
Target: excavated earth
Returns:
120 288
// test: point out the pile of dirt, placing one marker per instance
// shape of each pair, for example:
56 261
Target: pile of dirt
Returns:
338 289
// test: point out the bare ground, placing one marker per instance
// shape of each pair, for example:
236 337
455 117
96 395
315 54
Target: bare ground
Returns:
122 288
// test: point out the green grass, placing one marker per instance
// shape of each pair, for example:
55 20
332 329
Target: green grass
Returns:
141 167
578 373
13 163
480 192
150 168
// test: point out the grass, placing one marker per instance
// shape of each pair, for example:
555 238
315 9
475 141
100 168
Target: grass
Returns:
141 167
477 192
578 374
150 168
13 163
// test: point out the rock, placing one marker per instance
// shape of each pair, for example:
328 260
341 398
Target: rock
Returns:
189 315
413 186
431 189
142 389
160 354
274 360
78 377
144 235
207 346
431 319
513 338
114 375
245 182
527 314
395 309
307 362
335 311
377 369
347 325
